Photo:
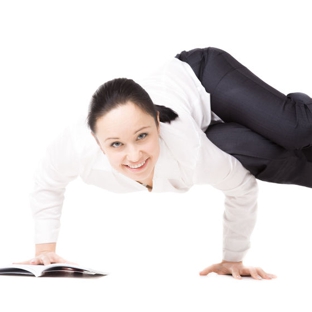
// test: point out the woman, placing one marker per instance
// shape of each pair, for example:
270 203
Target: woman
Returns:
136 145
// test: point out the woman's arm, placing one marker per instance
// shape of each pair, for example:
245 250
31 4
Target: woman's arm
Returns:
225 173
59 166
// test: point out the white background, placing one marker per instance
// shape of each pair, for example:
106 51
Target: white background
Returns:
54 54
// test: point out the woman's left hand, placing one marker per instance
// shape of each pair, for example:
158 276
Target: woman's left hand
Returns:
237 270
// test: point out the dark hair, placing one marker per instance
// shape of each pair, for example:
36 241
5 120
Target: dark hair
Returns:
118 92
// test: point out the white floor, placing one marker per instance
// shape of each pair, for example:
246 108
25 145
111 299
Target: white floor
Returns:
155 292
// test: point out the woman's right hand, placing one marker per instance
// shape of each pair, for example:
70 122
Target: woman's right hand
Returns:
45 254
46 258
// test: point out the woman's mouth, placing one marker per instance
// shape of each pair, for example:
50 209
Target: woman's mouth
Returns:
137 166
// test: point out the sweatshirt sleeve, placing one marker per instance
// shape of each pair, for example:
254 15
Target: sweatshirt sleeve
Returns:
59 166
239 186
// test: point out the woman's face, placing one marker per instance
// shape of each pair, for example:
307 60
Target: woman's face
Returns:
129 138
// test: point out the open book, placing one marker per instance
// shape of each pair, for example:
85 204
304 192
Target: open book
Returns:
55 269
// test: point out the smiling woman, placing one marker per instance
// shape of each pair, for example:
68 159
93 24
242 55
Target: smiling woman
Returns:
131 144
135 145
125 124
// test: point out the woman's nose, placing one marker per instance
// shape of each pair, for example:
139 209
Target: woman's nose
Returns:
133 154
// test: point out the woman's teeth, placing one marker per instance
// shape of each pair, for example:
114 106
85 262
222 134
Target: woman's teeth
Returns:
137 166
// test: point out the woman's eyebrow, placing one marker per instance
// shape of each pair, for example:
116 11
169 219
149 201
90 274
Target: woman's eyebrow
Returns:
116 138
111 139
141 129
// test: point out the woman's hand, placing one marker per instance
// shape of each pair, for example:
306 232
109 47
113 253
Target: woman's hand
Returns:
237 270
45 258
45 254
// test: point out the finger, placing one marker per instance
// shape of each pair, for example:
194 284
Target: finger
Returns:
236 274
59 259
62 260
23 262
272 276
40 260
265 275
254 274
208 270
35 261
44 259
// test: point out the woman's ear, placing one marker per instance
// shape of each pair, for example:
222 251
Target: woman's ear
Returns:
158 122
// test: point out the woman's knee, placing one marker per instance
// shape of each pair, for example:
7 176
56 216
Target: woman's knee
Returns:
301 131
206 64
300 98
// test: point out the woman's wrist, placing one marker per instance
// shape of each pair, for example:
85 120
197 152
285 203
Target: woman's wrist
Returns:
47 247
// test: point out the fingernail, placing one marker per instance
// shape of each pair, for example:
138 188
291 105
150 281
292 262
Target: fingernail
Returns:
272 276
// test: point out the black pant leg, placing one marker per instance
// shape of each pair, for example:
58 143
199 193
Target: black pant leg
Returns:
266 160
237 95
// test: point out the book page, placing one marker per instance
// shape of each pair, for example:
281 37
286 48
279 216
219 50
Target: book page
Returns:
48 270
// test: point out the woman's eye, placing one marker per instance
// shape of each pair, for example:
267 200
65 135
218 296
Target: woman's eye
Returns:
142 136
116 144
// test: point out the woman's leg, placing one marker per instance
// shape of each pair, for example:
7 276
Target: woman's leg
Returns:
237 95
266 160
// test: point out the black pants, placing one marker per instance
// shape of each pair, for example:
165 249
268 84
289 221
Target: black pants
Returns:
268 132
